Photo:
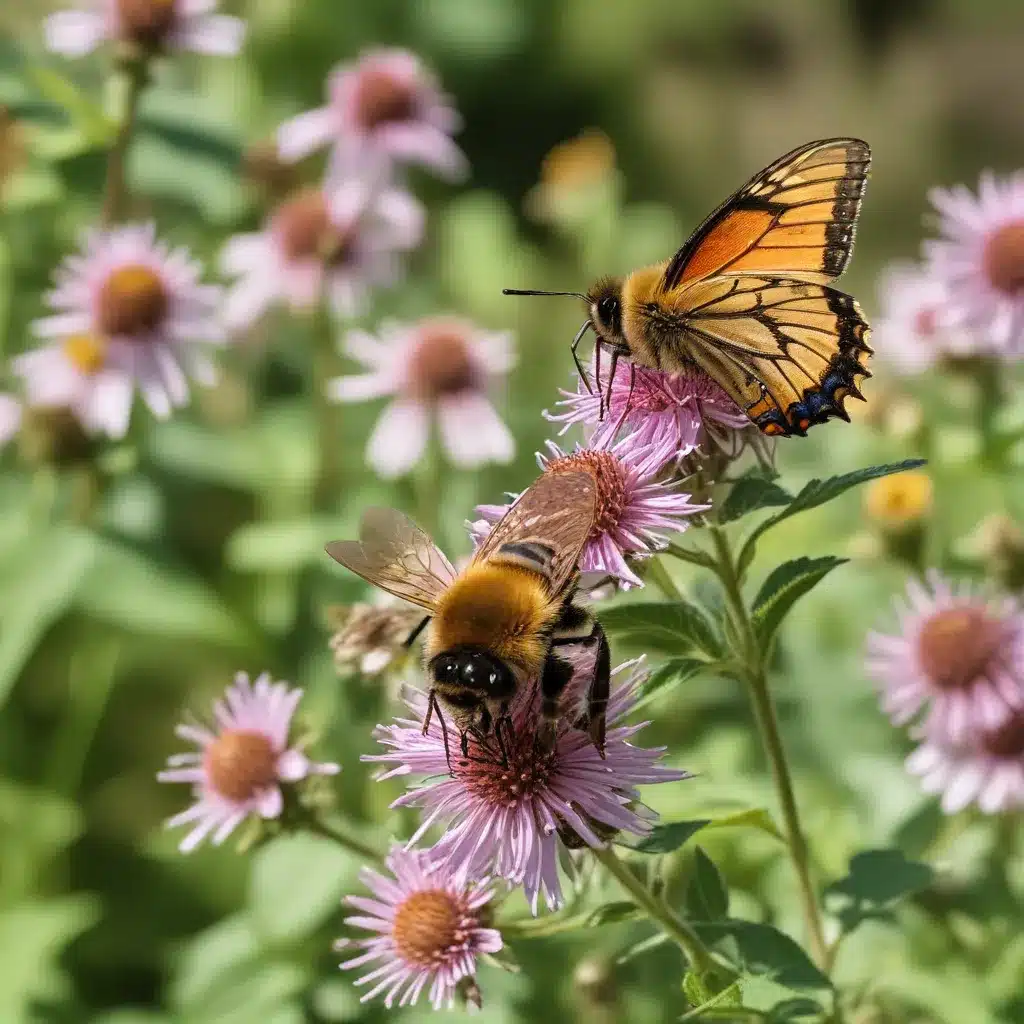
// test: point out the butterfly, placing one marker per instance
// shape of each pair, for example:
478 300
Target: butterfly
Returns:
748 298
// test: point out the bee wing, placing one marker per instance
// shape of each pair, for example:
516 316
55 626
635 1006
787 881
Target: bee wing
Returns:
557 511
393 553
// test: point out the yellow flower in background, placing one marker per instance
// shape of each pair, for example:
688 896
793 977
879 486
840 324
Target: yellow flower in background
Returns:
900 502
574 175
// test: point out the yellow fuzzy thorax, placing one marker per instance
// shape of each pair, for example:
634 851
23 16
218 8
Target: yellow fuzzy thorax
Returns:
504 608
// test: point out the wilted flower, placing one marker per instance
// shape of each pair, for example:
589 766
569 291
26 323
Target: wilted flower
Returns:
509 818
10 417
243 760
129 312
369 637
341 243
430 925
150 25
439 366
980 259
987 769
635 508
958 658
384 110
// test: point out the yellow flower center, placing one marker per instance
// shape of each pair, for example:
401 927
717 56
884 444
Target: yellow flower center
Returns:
146 22
608 474
86 352
442 363
895 502
306 231
957 645
427 926
381 98
1004 258
133 301
240 763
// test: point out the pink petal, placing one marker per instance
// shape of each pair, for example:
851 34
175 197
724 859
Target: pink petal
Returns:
399 438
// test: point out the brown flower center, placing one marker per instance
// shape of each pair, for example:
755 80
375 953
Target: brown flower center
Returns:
925 322
1003 258
381 98
442 363
1006 742
608 474
240 763
86 352
133 301
147 22
428 925
957 645
504 783
306 230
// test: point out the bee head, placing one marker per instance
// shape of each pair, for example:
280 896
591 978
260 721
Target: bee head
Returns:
474 670
604 307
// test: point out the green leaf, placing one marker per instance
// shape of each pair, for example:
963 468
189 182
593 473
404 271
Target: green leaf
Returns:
785 586
281 545
83 111
668 676
669 836
752 817
707 897
613 913
764 950
818 492
728 999
658 627
750 493
227 948
793 1009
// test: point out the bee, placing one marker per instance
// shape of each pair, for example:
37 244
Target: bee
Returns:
748 298
498 624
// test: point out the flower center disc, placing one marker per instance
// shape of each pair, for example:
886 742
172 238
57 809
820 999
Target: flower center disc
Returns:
1006 742
132 301
147 22
86 352
306 230
381 98
441 363
612 496
925 322
957 645
1003 258
240 763
427 925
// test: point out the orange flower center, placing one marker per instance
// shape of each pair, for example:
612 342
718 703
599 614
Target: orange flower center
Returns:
381 98
1004 258
442 363
307 231
240 763
1008 740
146 22
133 301
957 645
608 474
427 926
86 352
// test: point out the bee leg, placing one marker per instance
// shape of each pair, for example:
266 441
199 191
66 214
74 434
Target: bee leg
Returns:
600 686
432 706
553 681
504 720
411 638
607 402
576 359
597 378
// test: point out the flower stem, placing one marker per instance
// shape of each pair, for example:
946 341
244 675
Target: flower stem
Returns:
320 827
328 431
686 938
752 671
136 72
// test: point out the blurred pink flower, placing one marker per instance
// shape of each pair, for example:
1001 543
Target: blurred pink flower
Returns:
987 769
439 366
150 24
980 258
242 761
635 507
508 819
958 659
129 312
384 110
429 926
342 242
10 418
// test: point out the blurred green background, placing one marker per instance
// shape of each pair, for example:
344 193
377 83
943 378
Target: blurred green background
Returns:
206 557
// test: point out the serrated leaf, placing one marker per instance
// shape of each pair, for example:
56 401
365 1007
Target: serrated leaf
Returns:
667 628
707 897
613 913
750 493
669 836
785 586
764 950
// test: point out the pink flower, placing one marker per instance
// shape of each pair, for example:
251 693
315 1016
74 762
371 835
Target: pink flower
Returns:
151 25
429 927
384 110
980 258
242 760
957 658
342 242
508 819
130 312
635 507
10 418
439 366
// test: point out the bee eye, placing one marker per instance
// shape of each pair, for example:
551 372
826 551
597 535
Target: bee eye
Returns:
608 309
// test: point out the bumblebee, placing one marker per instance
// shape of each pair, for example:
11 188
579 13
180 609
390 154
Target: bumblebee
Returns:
748 298
498 624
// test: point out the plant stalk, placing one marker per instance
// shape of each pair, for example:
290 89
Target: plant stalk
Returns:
320 827
115 194
327 413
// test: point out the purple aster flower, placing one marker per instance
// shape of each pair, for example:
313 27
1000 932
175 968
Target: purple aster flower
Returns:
440 366
987 769
242 760
385 110
508 819
635 507
129 312
429 926
980 258
342 243
11 411
958 657
150 25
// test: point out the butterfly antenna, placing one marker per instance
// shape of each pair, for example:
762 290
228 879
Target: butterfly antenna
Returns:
521 291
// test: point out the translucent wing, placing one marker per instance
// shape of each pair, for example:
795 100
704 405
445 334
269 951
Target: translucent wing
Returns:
557 510
794 219
393 553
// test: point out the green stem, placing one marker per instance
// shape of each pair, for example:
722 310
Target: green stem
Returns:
753 674
327 412
115 195
657 574
320 827
686 938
